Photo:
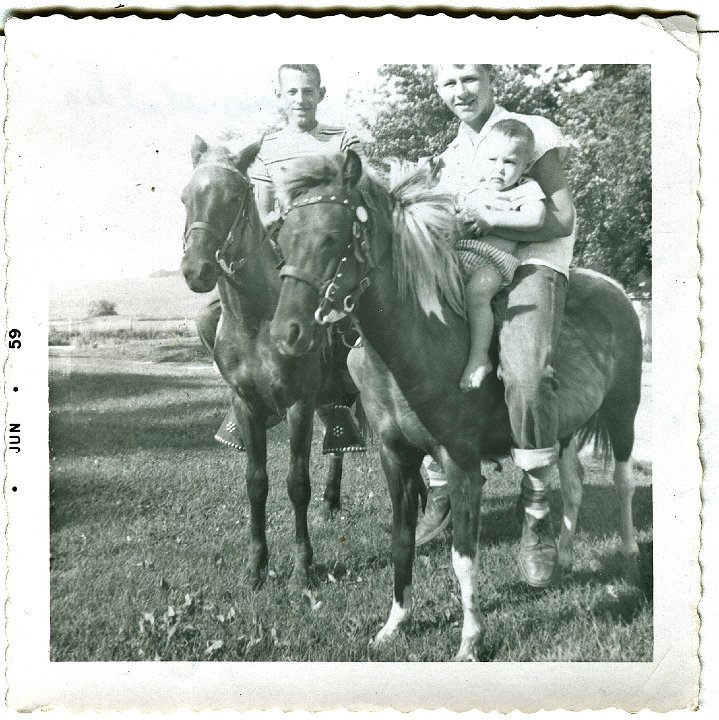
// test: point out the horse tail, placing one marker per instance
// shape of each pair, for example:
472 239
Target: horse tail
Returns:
595 433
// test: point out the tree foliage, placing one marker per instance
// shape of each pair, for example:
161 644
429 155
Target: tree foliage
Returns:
605 112
101 308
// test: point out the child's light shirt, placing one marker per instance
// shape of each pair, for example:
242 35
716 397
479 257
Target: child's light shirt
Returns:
523 191
460 170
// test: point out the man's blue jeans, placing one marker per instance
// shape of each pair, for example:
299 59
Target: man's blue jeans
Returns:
531 311
207 322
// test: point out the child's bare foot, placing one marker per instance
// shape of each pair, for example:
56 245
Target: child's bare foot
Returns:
473 376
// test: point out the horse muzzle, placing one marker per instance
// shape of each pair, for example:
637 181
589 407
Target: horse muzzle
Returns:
293 327
293 337
201 277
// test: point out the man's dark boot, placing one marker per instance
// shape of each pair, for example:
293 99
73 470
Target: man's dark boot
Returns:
437 515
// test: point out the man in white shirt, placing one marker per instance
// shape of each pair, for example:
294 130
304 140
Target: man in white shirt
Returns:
531 308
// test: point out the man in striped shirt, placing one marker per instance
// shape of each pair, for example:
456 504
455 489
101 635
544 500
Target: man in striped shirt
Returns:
298 94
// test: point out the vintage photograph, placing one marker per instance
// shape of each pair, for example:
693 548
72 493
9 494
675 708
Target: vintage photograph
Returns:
347 361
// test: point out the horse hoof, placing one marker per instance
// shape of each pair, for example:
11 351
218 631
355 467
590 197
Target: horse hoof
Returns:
631 571
468 651
380 640
301 580
324 513
255 577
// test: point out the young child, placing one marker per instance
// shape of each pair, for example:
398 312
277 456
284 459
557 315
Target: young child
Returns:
504 198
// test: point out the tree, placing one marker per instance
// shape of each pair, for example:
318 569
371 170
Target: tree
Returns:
102 308
605 112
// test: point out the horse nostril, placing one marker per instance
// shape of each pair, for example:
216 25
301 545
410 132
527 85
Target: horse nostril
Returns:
294 333
205 274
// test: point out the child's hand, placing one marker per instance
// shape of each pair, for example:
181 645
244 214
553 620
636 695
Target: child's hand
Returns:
473 223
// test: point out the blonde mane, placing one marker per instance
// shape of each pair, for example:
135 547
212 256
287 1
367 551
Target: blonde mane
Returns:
425 228
422 219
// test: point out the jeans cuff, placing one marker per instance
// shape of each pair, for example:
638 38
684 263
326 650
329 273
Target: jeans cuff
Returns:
531 458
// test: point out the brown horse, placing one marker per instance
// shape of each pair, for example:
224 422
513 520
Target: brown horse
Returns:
226 246
353 247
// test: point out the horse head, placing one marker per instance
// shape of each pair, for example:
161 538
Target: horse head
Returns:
326 240
342 228
220 209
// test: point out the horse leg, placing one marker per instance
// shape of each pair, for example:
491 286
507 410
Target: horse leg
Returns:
618 415
299 420
624 485
331 495
571 476
465 492
254 434
401 467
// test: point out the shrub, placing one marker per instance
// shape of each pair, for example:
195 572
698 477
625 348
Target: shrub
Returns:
102 308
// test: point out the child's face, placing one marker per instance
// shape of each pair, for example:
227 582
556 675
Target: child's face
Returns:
504 161
298 96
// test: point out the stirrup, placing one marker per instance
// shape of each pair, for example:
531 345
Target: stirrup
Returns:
342 433
229 434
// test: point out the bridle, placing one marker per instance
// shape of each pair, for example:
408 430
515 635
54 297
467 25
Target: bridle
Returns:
337 299
225 252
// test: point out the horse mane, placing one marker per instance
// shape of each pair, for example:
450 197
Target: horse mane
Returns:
425 227
422 220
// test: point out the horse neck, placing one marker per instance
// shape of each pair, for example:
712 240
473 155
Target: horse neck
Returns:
418 349
251 295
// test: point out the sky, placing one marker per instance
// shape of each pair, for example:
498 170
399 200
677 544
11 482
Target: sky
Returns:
101 118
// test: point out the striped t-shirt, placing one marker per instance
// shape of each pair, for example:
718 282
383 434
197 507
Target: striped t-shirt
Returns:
285 145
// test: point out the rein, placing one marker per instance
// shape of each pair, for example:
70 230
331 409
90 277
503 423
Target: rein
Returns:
224 253
338 301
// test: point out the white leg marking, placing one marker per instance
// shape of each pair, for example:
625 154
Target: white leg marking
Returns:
624 484
570 477
398 616
467 571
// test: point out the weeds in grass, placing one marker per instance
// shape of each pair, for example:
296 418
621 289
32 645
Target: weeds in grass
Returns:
149 537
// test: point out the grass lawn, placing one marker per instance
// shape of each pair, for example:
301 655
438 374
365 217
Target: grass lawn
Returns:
149 535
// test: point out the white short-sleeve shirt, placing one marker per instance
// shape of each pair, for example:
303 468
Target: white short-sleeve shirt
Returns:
460 176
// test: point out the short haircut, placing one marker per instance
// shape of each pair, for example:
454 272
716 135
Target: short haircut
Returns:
312 70
489 69
516 130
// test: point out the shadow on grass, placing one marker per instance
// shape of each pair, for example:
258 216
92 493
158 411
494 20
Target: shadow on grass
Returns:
177 420
598 517
82 387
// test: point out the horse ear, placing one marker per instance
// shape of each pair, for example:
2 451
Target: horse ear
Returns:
247 155
199 146
351 170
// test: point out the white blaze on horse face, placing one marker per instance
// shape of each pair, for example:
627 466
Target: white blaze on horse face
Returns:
467 571
398 616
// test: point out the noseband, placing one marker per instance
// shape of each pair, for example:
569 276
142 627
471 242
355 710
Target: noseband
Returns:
224 253
337 300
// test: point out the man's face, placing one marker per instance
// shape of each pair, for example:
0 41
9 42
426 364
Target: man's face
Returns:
468 91
504 160
298 96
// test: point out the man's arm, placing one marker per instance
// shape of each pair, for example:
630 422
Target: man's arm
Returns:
559 205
